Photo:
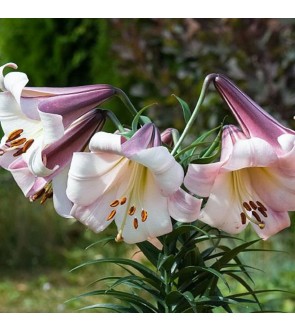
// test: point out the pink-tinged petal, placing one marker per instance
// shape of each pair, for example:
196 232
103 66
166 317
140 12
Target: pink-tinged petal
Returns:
167 172
146 137
92 174
94 215
61 202
223 207
184 207
27 182
73 106
158 221
274 188
166 136
11 65
35 92
253 152
74 140
200 178
276 222
251 117
106 142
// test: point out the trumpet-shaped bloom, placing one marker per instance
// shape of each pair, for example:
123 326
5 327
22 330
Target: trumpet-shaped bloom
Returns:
37 122
50 172
32 118
254 121
250 184
135 182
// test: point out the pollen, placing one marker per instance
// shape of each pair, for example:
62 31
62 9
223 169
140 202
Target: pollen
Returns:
14 134
263 212
243 218
123 200
115 203
135 223
144 215
247 206
132 210
253 205
111 215
27 145
18 141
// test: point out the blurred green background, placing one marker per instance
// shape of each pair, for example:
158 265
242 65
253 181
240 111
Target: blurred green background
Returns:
150 59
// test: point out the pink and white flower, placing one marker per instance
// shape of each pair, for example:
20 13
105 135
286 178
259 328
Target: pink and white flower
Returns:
135 182
254 181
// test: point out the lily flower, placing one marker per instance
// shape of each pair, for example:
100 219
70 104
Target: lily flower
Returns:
250 184
135 182
253 120
49 175
32 118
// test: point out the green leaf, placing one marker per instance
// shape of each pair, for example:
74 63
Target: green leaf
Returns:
150 251
185 108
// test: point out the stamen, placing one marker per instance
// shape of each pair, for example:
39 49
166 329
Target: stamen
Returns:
256 215
260 205
46 196
123 200
115 203
18 152
262 211
253 205
243 218
27 145
144 215
111 215
247 206
14 134
135 223
119 236
37 195
18 141
132 210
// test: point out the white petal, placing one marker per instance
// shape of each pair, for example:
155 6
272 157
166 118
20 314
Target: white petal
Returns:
53 128
35 162
167 172
253 152
107 142
11 65
184 207
61 202
14 82
92 174
158 221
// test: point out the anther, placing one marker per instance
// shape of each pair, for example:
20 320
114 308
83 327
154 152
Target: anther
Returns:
243 218
262 211
260 205
37 195
256 215
247 206
253 205
135 223
27 145
111 215
18 141
132 210
144 215
18 152
123 200
115 203
14 134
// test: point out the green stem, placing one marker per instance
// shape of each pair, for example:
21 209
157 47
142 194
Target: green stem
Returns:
115 121
124 98
205 86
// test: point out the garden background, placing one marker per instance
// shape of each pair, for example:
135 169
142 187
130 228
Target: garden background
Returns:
150 59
